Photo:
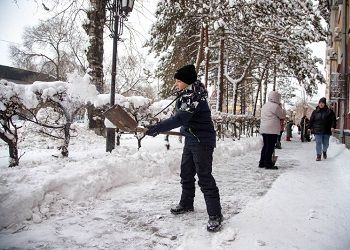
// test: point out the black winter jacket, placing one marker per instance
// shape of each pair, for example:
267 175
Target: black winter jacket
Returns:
322 121
192 113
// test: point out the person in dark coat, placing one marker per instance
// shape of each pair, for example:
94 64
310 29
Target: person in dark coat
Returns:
322 124
279 137
192 113
304 129
289 129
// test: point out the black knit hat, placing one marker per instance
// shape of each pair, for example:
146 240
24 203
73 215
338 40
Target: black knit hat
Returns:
187 74
323 100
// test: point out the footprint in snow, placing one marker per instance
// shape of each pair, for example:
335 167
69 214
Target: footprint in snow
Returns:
261 243
312 214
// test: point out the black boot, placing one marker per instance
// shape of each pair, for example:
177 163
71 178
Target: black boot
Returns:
324 155
214 223
318 157
179 209
271 165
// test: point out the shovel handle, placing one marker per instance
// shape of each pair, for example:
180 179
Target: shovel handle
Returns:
138 129
171 133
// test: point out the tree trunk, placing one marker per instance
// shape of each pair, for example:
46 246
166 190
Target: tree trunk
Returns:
235 102
258 91
227 96
243 93
274 78
12 144
220 93
265 86
206 55
200 54
94 29
96 119
13 152
64 148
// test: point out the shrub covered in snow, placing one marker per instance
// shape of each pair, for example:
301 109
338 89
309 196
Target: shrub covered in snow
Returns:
65 100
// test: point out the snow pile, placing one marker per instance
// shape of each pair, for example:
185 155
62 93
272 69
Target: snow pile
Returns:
89 172
81 88
237 148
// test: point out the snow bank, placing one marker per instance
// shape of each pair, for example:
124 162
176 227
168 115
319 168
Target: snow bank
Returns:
76 180
237 148
89 172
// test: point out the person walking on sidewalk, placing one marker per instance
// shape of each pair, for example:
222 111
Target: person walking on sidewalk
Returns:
305 132
192 113
270 128
322 124
289 129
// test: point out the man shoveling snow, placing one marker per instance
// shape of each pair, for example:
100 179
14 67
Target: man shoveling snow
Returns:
194 116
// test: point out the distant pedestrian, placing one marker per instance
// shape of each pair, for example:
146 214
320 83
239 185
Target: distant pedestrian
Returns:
304 129
322 124
270 128
289 129
278 143
194 117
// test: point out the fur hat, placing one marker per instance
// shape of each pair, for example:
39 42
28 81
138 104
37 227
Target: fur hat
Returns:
187 74
323 100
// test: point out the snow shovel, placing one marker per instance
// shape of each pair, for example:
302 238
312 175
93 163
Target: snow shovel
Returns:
120 118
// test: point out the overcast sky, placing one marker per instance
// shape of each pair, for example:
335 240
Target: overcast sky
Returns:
16 16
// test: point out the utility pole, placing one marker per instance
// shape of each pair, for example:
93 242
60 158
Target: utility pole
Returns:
110 139
119 11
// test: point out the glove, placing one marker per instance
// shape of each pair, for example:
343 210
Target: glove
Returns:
152 130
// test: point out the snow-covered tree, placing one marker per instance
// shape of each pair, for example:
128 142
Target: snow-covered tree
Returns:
173 40
135 76
11 105
66 98
53 47
247 40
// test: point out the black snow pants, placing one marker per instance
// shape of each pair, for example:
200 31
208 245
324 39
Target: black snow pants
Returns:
267 150
197 159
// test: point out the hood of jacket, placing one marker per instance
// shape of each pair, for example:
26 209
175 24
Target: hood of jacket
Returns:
194 92
275 97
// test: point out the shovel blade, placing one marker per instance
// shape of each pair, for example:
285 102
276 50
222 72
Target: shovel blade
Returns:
120 118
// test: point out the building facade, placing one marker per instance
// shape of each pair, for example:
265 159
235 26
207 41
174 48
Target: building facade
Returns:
337 66
22 76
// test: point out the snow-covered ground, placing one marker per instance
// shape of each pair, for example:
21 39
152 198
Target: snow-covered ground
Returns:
97 200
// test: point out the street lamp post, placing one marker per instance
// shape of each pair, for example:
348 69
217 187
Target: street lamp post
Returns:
119 10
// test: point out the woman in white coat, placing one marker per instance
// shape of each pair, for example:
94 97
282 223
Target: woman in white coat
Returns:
271 114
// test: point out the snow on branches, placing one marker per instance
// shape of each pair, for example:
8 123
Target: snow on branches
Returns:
54 106
25 101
